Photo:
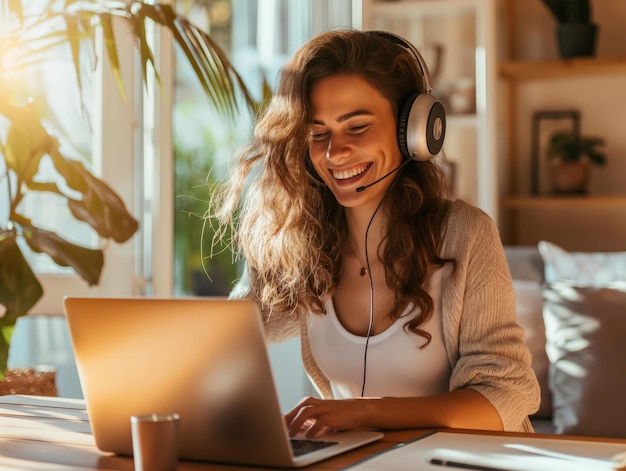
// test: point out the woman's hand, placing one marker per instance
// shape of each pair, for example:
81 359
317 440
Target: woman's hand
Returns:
312 417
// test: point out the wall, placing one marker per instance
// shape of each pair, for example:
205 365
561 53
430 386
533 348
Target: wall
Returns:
602 103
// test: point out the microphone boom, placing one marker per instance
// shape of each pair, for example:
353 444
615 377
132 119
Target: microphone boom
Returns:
364 187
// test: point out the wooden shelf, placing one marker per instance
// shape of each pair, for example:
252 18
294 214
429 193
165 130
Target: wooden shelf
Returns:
592 222
563 202
536 70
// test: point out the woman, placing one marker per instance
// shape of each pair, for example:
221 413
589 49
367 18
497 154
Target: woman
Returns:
402 298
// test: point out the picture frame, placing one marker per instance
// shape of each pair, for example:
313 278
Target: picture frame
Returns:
545 124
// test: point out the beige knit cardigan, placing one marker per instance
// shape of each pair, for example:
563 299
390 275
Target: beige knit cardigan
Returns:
485 345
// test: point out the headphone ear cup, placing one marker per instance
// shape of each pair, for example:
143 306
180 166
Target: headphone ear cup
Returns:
421 127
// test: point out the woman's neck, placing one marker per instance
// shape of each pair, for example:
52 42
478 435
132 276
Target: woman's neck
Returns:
358 221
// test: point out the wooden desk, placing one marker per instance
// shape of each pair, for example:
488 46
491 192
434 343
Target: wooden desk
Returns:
53 434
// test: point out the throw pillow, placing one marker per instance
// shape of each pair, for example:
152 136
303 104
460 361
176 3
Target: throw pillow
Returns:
585 329
583 268
525 263
526 267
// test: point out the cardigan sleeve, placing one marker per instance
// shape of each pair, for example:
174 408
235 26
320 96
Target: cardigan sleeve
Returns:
485 344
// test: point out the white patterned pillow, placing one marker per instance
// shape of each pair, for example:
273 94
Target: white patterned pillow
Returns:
592 269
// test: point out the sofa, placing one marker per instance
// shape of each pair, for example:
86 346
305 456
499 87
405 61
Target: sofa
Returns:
572 306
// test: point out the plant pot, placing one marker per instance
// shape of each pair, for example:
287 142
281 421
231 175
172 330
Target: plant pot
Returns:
35 381
576 39
569 178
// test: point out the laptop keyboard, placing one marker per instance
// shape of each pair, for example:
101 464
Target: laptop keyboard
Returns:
302 446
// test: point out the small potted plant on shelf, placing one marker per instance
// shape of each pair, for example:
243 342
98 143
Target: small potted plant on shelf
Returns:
570 159
576 34
28 140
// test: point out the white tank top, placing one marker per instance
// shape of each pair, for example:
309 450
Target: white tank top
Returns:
396 366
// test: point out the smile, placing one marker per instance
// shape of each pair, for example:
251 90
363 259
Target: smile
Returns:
350 173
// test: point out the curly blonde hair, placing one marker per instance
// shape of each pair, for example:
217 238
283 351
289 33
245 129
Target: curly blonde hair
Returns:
289 227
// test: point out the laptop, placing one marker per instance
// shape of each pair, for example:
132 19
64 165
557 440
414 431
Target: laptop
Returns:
203 358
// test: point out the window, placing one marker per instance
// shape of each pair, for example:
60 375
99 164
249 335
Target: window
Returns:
163 175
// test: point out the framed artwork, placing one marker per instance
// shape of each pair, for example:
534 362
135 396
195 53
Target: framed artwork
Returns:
545 124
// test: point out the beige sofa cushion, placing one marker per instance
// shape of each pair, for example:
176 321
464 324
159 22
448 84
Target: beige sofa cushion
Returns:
526 267
529 309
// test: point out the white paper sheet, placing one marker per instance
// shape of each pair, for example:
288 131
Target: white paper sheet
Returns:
495 452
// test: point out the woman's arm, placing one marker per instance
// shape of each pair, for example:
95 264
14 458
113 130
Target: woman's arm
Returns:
463 408
486 345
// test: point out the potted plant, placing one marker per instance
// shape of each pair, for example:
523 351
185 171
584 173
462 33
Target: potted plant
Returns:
575 32
27 140
570 158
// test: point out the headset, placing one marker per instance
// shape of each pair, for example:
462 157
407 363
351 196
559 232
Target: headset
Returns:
421 126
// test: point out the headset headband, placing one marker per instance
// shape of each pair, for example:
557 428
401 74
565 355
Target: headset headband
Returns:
420 60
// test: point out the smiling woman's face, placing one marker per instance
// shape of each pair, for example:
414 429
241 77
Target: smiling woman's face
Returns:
353 138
